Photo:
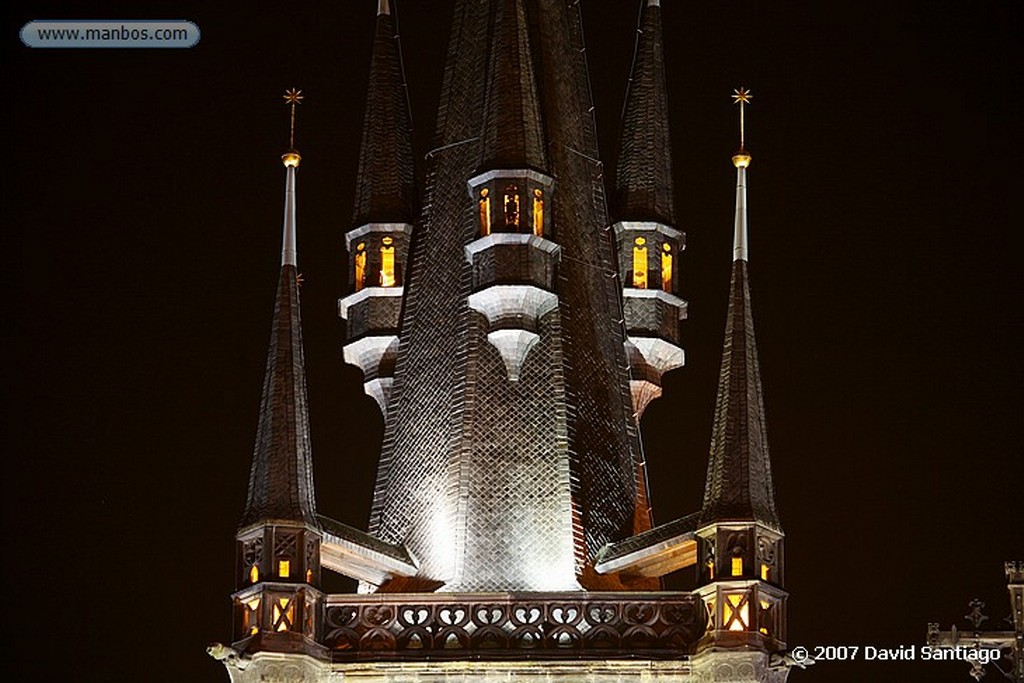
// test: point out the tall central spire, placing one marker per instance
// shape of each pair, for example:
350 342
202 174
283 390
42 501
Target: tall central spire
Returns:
512 136
739 481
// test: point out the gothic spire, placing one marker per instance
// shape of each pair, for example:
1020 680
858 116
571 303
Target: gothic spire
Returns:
385 188
513 130
643 182
739 481
281 478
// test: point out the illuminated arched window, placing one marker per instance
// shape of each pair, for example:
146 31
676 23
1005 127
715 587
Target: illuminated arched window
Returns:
640 263
485 212
360 266
666 267
538 213
387 262
511 206
254 574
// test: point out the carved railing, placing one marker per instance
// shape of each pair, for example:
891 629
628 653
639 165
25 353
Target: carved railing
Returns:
501 626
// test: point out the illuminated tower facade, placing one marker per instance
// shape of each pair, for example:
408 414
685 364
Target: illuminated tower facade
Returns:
512 334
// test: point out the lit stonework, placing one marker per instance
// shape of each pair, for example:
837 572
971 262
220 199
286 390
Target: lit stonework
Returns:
512 334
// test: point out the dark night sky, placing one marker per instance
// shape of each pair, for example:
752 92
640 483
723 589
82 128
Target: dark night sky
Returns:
143 213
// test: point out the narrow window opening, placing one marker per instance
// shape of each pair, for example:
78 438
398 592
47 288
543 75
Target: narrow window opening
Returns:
640 263
511 206
764 572
254 574
309 576
737 566
284 568
485 212
538 213
360 266
387 262
666 267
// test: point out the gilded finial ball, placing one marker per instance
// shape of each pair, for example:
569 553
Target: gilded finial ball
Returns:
291 159
741 159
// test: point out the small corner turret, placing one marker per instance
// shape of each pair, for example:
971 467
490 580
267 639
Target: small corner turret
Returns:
740 570
278 540
648 243
382 223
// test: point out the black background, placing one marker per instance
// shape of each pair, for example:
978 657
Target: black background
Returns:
142 235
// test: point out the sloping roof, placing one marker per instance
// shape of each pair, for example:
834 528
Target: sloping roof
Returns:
654 552
513 130
281 479
385 185
643 179
739 482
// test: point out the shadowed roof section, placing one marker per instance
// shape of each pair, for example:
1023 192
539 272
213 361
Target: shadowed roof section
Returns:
739 482
281 479
643 179
385 185
513 131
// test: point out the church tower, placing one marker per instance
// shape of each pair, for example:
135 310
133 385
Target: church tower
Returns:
512 333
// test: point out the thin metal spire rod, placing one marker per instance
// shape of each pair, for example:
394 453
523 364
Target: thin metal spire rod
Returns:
742 98
293 97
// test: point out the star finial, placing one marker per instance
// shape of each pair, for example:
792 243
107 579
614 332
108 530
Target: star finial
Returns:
293 98
742 97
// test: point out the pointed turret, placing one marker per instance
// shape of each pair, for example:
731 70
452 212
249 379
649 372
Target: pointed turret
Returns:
513 133
385 209
277 604
739 481
385 184
643 180
281 479
647 240
742 548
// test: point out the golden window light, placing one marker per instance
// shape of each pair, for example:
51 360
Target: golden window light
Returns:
284 614
284 568
737 612
737 566
538 213
360 265
666 267
387 262
512 206
254 574
640 263
485 212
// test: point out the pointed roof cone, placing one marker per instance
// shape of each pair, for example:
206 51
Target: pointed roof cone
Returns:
643 182
385 188
513 134
739 482
281 479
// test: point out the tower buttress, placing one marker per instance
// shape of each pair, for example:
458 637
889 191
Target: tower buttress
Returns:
277 603
648 243
741 569
382 223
